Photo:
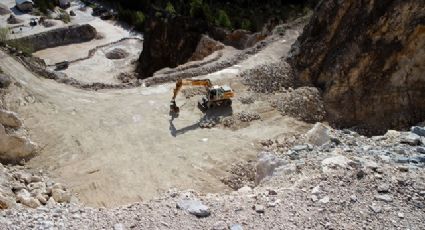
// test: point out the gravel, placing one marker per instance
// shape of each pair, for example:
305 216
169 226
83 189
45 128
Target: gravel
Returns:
268 78
365 189
304 103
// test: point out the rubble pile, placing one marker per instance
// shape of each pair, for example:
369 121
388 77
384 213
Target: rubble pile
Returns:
248 116
21 188
269 78
117 53
242 174
304 103
247 99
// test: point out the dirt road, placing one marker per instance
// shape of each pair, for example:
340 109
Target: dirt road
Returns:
119 146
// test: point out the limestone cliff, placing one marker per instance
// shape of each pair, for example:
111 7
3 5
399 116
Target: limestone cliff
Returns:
368 58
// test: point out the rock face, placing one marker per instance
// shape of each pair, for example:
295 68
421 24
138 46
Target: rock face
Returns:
169 43
368 59
206 47
59 37
239 39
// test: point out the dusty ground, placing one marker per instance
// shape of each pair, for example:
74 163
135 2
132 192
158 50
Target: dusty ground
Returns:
121 146
110 31
101 69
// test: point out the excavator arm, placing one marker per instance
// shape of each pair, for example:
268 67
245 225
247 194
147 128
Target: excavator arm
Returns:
179 84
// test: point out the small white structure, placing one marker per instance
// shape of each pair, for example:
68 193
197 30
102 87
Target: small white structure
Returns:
24 5
64 3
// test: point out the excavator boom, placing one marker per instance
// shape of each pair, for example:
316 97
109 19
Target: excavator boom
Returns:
179 84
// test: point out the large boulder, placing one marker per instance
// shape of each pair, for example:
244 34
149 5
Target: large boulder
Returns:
206 47
4 81
10 119
14 148
169 42
266 165
368 59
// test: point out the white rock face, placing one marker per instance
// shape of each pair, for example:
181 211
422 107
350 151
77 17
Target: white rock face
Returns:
334 162
318 135
8 118
14 148
267 163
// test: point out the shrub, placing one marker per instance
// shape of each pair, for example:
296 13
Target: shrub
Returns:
223 20
170 8
196 10
26 48
44 5
246 24
4 34
64 16
135 18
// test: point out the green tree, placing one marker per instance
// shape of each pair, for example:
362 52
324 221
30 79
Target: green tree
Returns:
196 8
246 24
223 19
170 8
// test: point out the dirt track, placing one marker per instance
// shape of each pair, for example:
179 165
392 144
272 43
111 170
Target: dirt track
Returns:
119 146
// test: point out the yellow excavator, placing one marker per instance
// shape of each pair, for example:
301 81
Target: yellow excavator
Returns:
216 95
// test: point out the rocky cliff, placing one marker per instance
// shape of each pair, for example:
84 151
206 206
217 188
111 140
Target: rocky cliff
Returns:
169 42
59 37
368 59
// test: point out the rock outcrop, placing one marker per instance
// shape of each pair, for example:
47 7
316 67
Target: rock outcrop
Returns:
239 39
14 148
368 59
206 47
169 42
59 37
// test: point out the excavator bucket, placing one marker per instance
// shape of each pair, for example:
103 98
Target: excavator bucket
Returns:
174 109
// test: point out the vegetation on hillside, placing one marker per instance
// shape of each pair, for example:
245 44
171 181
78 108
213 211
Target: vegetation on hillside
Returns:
236 14
4 39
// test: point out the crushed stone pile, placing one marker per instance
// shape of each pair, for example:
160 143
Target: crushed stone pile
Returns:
304 103
248 116
269 78
242 174
247 99
117 53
